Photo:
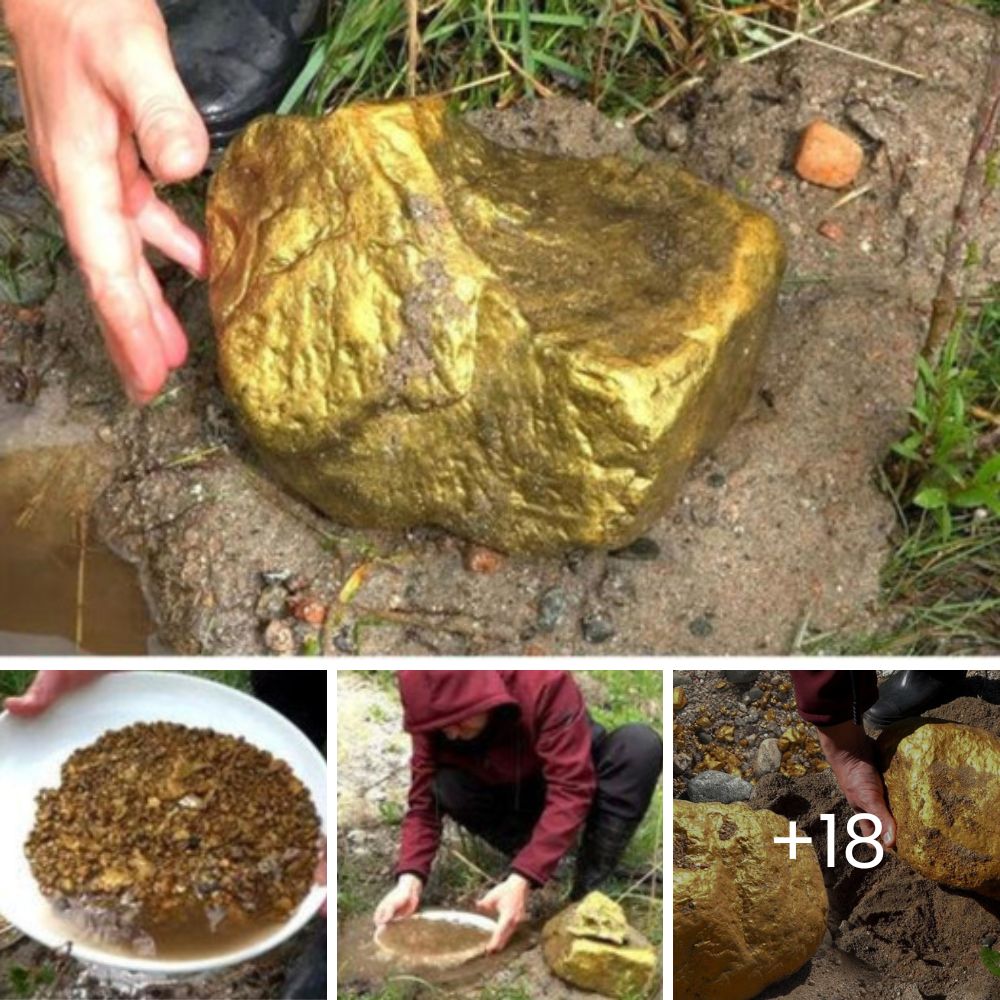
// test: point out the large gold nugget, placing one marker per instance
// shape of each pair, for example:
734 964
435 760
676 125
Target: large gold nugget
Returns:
943 781
745 914
418 326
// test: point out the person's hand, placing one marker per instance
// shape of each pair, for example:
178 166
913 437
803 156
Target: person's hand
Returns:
509 903
47 688
399 902
852 756
321 873
99 87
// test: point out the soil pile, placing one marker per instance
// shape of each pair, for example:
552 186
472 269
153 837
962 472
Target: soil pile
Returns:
157 828
911 929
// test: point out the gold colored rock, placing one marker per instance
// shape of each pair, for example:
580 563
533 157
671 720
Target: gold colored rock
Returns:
591 945
680 699
745 915
943 781
418 326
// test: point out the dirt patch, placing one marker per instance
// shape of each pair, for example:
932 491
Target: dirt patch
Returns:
781 529
912 931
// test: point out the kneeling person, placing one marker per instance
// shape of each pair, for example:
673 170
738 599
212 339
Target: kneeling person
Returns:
514 757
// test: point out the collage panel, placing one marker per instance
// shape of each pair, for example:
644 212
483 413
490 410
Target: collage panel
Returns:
499 834
835 834
163 834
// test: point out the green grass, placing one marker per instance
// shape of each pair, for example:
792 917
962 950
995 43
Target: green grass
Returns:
627 58
13 682
941 585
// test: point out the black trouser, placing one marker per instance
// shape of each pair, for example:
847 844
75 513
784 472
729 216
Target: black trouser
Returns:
628 762
299 695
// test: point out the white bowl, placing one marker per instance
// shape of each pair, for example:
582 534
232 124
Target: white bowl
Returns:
32 752
445 959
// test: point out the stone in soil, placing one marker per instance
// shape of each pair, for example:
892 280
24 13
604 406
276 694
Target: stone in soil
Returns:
502 363
717 786
943 781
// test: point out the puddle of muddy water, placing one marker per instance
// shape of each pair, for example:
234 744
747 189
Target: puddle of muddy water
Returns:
361 963
61 591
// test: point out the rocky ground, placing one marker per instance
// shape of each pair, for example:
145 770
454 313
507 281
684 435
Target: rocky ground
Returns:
781 530
372 782
891 933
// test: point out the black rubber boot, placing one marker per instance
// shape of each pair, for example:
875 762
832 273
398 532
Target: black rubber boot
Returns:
910 692
237 58
604 841
306 979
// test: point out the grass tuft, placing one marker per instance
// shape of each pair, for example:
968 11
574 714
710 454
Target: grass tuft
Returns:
941 586
628 57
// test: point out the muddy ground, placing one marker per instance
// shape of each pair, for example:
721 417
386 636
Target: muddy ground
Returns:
891 932
67 979
372 782
780 531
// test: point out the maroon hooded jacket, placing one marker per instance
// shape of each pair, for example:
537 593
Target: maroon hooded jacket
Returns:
827 697
551 737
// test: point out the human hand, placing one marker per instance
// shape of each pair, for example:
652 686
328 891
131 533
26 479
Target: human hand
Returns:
47 688
509 902
852 756
97 80
399 902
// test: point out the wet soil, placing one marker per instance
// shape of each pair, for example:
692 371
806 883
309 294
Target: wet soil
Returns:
781 530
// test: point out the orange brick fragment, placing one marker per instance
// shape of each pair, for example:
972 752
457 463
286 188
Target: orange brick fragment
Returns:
828 156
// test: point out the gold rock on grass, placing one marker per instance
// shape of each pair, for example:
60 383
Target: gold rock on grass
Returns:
418 326
745 915
591 945
943 781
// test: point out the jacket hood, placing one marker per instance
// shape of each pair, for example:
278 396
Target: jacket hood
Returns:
433 699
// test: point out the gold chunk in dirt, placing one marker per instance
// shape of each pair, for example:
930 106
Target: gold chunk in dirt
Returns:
419 326
680 699
591 945
165 820
745 915
943 781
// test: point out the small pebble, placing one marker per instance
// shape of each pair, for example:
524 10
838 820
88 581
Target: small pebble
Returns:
830 230
596 627
279 638
741 678
642 549
271 602
717 786
480 559
768 758
701 627
827 156
551 608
